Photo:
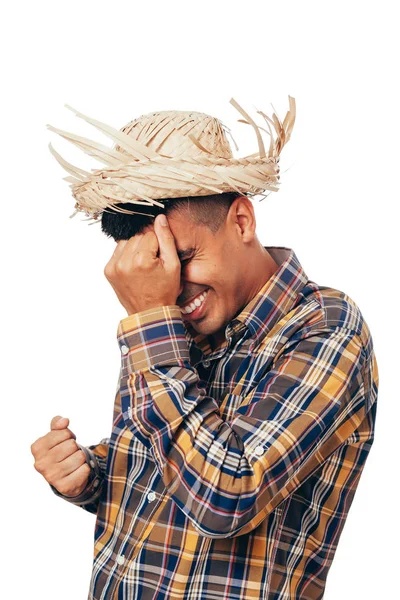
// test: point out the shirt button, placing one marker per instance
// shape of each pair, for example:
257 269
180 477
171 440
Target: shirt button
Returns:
121 559
91 463
151 496
259 450
124 349
206 363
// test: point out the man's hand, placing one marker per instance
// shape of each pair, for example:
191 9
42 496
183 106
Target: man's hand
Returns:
59 459
139 276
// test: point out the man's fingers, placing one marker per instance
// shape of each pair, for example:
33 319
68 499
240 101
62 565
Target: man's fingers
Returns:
71 463
119 248
44 444
146 249
120 251
64 450
136 251
70 484
59 425
128 246
168 252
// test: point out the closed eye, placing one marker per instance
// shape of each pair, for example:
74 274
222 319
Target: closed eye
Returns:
186 254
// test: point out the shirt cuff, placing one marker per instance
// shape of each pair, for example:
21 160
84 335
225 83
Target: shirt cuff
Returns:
155 336
93 487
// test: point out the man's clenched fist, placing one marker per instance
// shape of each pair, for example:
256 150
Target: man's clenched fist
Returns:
60 460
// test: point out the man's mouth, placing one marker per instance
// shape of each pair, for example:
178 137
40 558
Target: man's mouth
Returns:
195 306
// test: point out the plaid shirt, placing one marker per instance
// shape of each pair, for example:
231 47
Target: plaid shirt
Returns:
230 472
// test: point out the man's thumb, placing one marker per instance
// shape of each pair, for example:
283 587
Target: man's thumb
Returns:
58 422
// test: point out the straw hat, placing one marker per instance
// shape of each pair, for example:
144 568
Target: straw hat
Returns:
170 154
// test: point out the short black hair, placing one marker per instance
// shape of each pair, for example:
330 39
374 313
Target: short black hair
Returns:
210 211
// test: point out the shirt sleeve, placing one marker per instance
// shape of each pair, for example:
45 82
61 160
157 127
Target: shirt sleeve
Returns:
96 458
227 476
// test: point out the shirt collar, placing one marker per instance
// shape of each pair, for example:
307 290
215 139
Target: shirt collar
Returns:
274 300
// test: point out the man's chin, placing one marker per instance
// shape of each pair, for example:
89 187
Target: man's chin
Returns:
195 325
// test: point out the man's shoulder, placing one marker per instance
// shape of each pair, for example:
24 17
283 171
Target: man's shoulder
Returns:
333 308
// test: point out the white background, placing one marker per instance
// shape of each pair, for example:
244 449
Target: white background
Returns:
336 208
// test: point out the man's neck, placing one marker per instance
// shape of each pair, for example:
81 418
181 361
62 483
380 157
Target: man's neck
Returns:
266 265
217 339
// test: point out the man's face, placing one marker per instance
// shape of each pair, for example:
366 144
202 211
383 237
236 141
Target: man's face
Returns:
213 263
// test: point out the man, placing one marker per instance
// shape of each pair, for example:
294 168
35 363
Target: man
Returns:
243 417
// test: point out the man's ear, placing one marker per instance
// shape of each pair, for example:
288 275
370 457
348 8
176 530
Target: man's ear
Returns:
244 217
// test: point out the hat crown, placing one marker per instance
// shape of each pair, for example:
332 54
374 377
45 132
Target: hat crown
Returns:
167 133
